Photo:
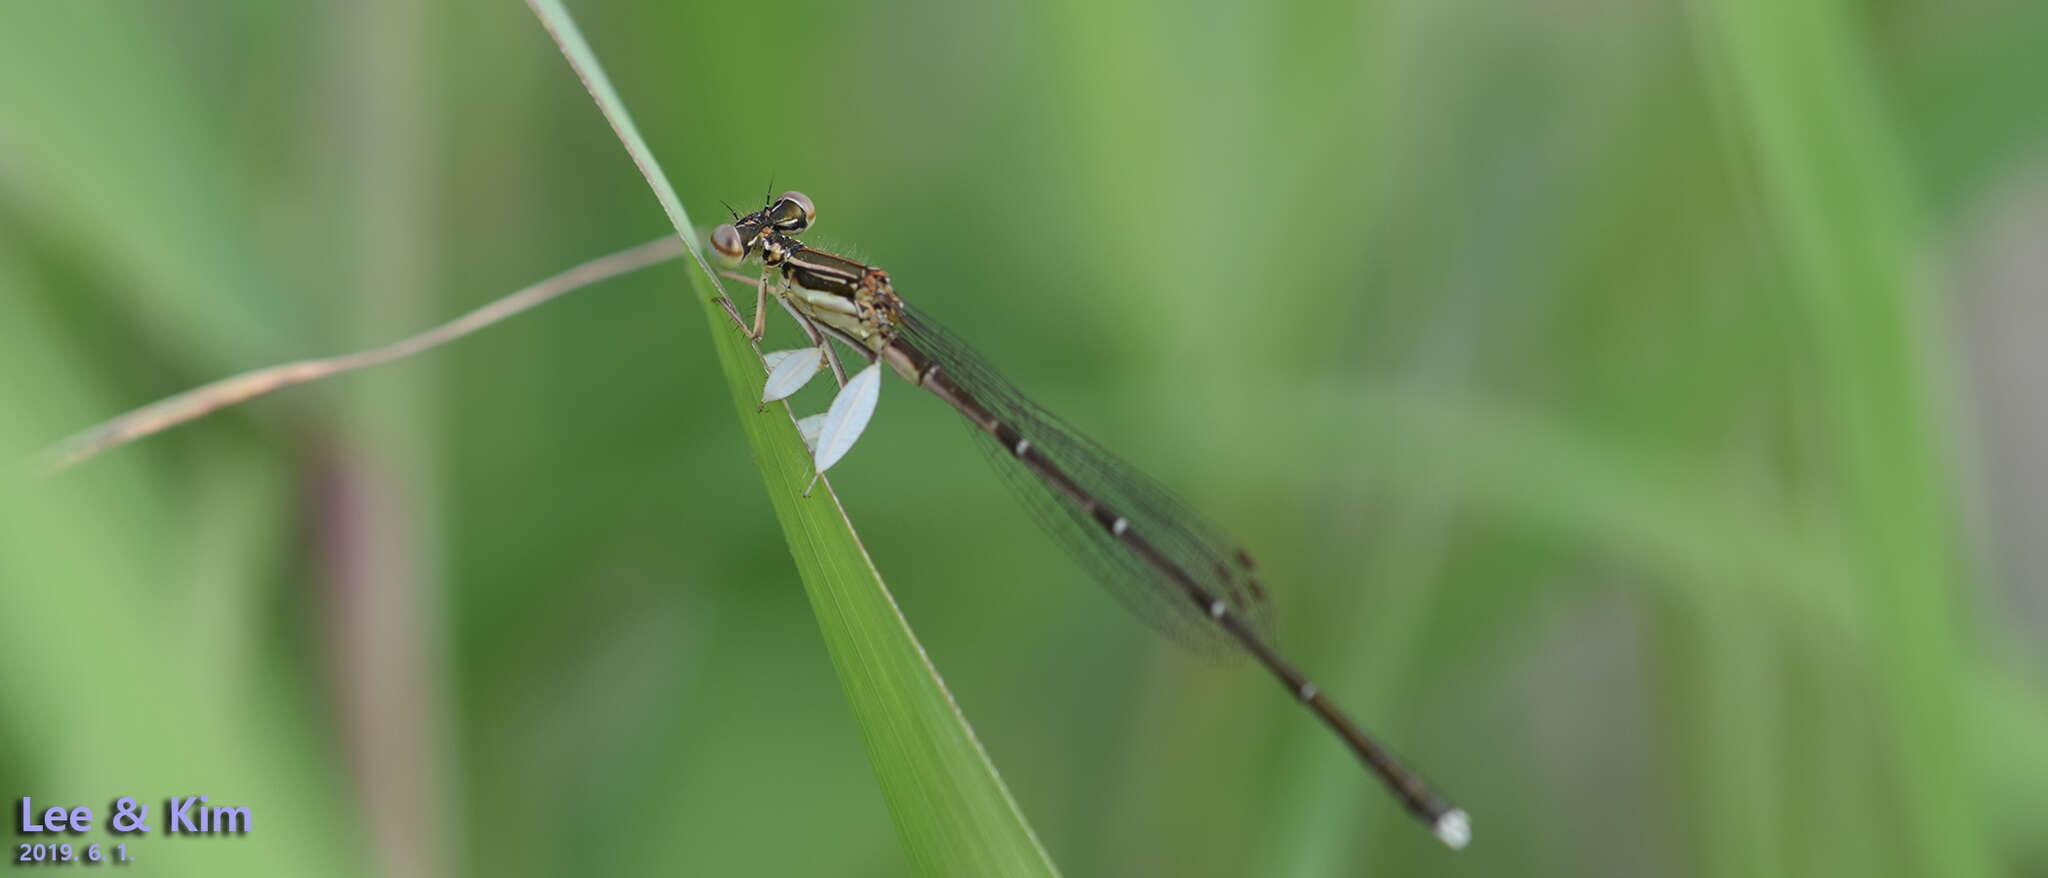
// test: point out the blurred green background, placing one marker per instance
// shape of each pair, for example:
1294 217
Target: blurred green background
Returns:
1636 408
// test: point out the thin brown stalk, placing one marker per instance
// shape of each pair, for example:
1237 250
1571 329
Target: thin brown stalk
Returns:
199 401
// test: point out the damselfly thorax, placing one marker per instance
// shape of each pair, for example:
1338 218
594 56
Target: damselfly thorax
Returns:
852 299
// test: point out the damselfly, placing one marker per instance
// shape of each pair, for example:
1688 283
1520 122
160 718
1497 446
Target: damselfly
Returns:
1161 559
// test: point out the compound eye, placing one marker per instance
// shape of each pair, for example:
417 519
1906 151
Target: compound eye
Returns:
793 212
727 242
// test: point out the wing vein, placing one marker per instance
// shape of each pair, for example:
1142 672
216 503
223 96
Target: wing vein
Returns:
1188 541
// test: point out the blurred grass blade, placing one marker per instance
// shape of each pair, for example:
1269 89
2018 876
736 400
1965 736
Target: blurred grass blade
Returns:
1831 173
950 808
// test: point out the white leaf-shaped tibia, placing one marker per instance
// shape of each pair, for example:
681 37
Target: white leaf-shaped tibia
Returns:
772 359
848 416
789 373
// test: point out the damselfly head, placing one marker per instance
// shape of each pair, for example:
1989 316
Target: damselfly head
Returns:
727 242
792 213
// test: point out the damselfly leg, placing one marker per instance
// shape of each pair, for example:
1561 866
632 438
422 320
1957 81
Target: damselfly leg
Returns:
819 338
758 326
811 331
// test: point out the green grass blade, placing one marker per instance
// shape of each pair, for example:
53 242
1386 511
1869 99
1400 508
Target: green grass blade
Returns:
1831 172
950 807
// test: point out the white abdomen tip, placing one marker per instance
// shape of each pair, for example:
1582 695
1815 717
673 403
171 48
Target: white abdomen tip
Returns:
1454 829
